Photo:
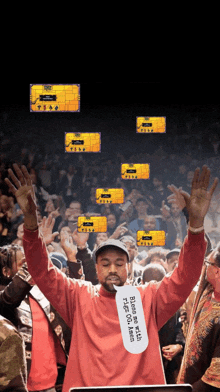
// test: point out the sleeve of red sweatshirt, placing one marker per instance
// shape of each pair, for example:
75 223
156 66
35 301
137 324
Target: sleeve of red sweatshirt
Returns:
174 289
54 284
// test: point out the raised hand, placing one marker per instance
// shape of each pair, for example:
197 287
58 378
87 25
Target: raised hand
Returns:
176 197
198 202
80 238
165 211
68 246
21 187
46 229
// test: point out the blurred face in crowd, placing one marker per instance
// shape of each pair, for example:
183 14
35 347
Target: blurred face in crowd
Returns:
213 205
175 210
4 203
74 210
17 260
33 177
190 175
172 262
101 237
149 223
111 268
66 229
157 259
157 182
49 206
111 220
132 249
182 169
141 207
20 231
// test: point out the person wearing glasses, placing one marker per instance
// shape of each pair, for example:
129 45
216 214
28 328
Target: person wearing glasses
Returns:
201 361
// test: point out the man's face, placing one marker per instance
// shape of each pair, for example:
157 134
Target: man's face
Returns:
111 268
172 262
149 223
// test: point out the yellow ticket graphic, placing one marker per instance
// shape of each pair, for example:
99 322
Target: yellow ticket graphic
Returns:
151 238
111 195
54 98
151 124
92 224
82 142
134 171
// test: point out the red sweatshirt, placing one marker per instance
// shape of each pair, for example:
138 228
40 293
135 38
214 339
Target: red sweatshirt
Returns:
97 355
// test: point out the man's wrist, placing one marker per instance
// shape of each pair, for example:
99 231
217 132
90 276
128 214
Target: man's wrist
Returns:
30 222
196 223
84 246
71 257
196 230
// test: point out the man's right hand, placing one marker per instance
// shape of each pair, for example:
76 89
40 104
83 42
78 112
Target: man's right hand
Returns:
21 187
198 202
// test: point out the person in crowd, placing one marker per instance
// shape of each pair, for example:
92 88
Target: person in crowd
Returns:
150 223
72 213
5 219
175 223
159 192
155 255
26 307
56 207
172 258
41 193
201 362
141 208
172 340
212 222
22 303
111 223
13 371
85 307
20 232
134 268
70 185
153 271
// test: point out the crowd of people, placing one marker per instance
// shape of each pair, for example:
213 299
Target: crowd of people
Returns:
65 188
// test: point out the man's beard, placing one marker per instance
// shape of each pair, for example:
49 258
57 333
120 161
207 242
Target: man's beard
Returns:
109 286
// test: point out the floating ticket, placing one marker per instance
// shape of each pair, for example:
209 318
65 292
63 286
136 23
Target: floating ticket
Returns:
82 142
92 224
151 125
151 238
112 195
135 171
54 98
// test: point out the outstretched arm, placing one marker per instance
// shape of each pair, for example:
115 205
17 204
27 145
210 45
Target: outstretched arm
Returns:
58 289
174 290
197 203
21 187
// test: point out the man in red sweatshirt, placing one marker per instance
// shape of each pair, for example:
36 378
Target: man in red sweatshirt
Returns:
97 354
